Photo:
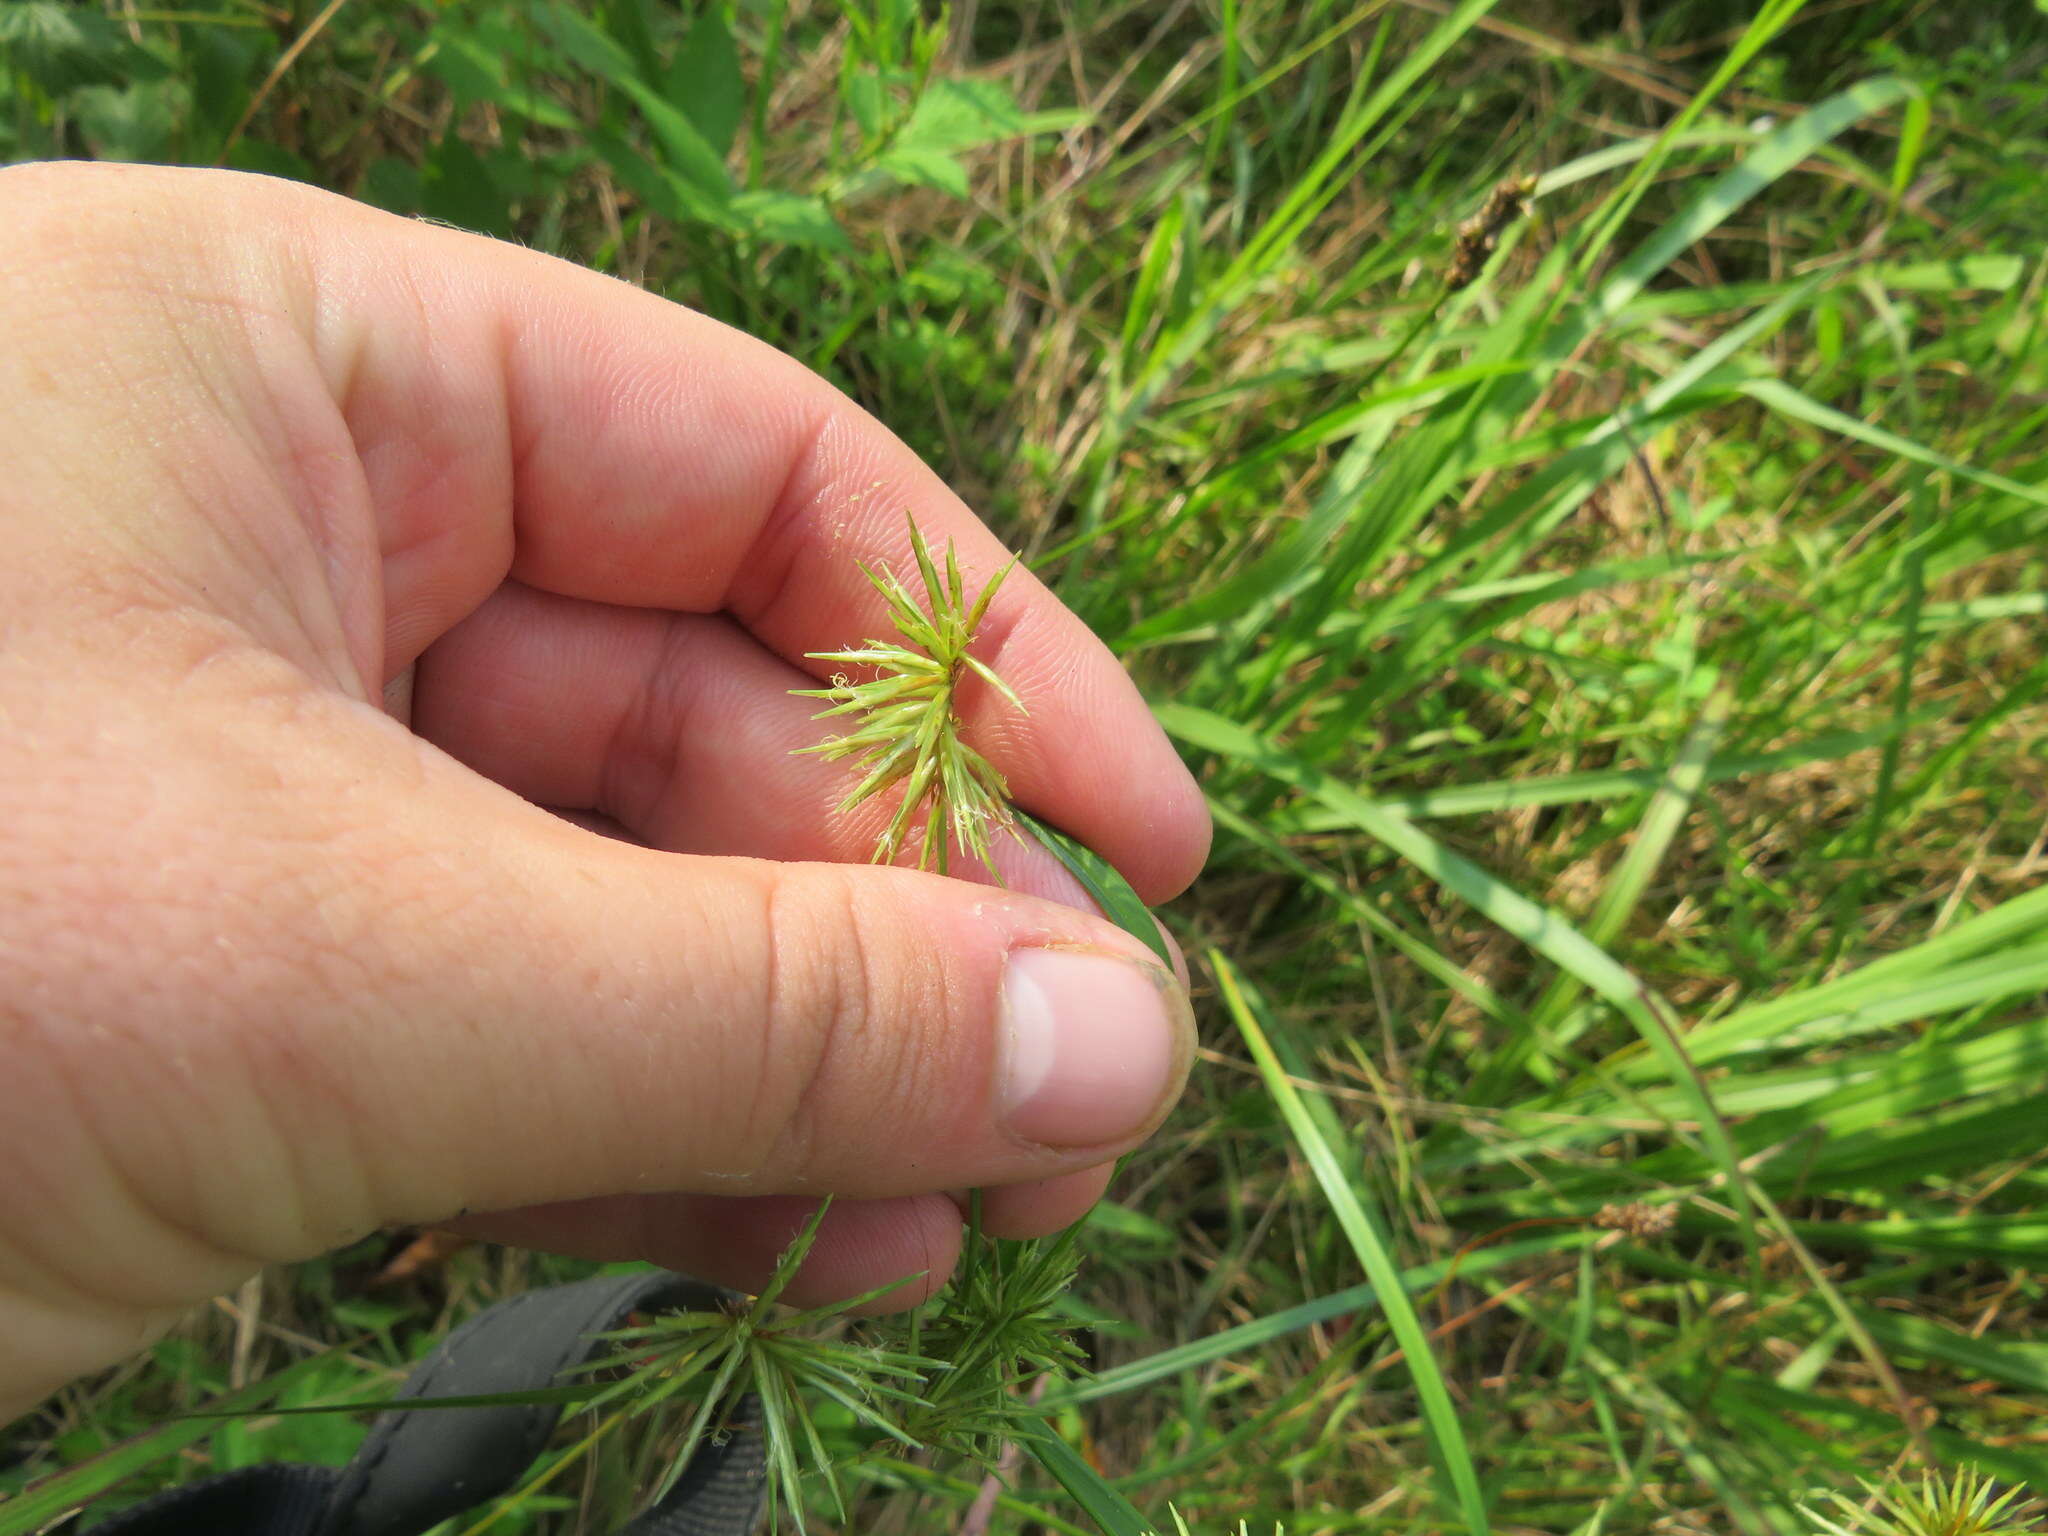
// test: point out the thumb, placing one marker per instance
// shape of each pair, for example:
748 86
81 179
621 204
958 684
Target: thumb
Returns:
383 989
633 1020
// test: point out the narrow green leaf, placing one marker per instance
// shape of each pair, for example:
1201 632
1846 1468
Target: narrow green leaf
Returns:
1912 140
43 1503
1621 894
1425 956
1585 788
1786 400
532 1395
1103 1504
2018 1363
1542 930
1262 1331
1446 1433
1098 877
1776 155
1160 247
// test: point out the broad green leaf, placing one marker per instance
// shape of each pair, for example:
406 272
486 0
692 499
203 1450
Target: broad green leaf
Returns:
705 82
478 72
689 156
133 121
267 159
459 188
62 47
788 218
584 43
957 113
919 165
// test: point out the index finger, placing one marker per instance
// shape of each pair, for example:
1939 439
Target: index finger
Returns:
629 451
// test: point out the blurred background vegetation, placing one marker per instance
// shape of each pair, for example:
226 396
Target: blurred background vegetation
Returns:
1573 477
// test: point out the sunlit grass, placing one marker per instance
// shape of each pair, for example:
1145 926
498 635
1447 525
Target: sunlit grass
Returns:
1610 647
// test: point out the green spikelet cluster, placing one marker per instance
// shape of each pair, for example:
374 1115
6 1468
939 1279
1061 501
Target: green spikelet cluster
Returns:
909 729
1967 1504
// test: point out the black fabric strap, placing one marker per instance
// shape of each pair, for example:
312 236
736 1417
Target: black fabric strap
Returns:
416 1469
281 1500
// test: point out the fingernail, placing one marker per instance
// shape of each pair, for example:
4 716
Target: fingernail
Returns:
1092 1045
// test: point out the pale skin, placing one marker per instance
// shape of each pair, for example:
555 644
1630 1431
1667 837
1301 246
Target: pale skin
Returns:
360 577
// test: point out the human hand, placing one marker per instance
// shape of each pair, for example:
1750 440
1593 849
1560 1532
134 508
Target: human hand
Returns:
339 545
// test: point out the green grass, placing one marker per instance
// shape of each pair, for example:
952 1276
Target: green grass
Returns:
1618 680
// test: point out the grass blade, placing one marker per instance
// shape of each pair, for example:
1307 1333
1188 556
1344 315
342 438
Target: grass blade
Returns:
1542 930
1786 400
44 1503
1447 1435
1261 1331
1110 891
1109 1509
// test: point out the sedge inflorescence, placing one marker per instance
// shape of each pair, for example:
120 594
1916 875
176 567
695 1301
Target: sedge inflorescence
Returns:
909 727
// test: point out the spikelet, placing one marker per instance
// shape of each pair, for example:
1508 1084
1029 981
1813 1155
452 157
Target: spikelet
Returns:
906 725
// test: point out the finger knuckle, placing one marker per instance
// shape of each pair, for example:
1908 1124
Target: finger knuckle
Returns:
856 1021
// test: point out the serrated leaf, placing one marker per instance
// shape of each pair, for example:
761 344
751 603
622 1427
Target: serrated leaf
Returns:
791 219
62 47
130 122
920 166
956 114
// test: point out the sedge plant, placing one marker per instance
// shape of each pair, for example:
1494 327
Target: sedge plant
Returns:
822 1387
1965 1503
949 1380
954 1377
